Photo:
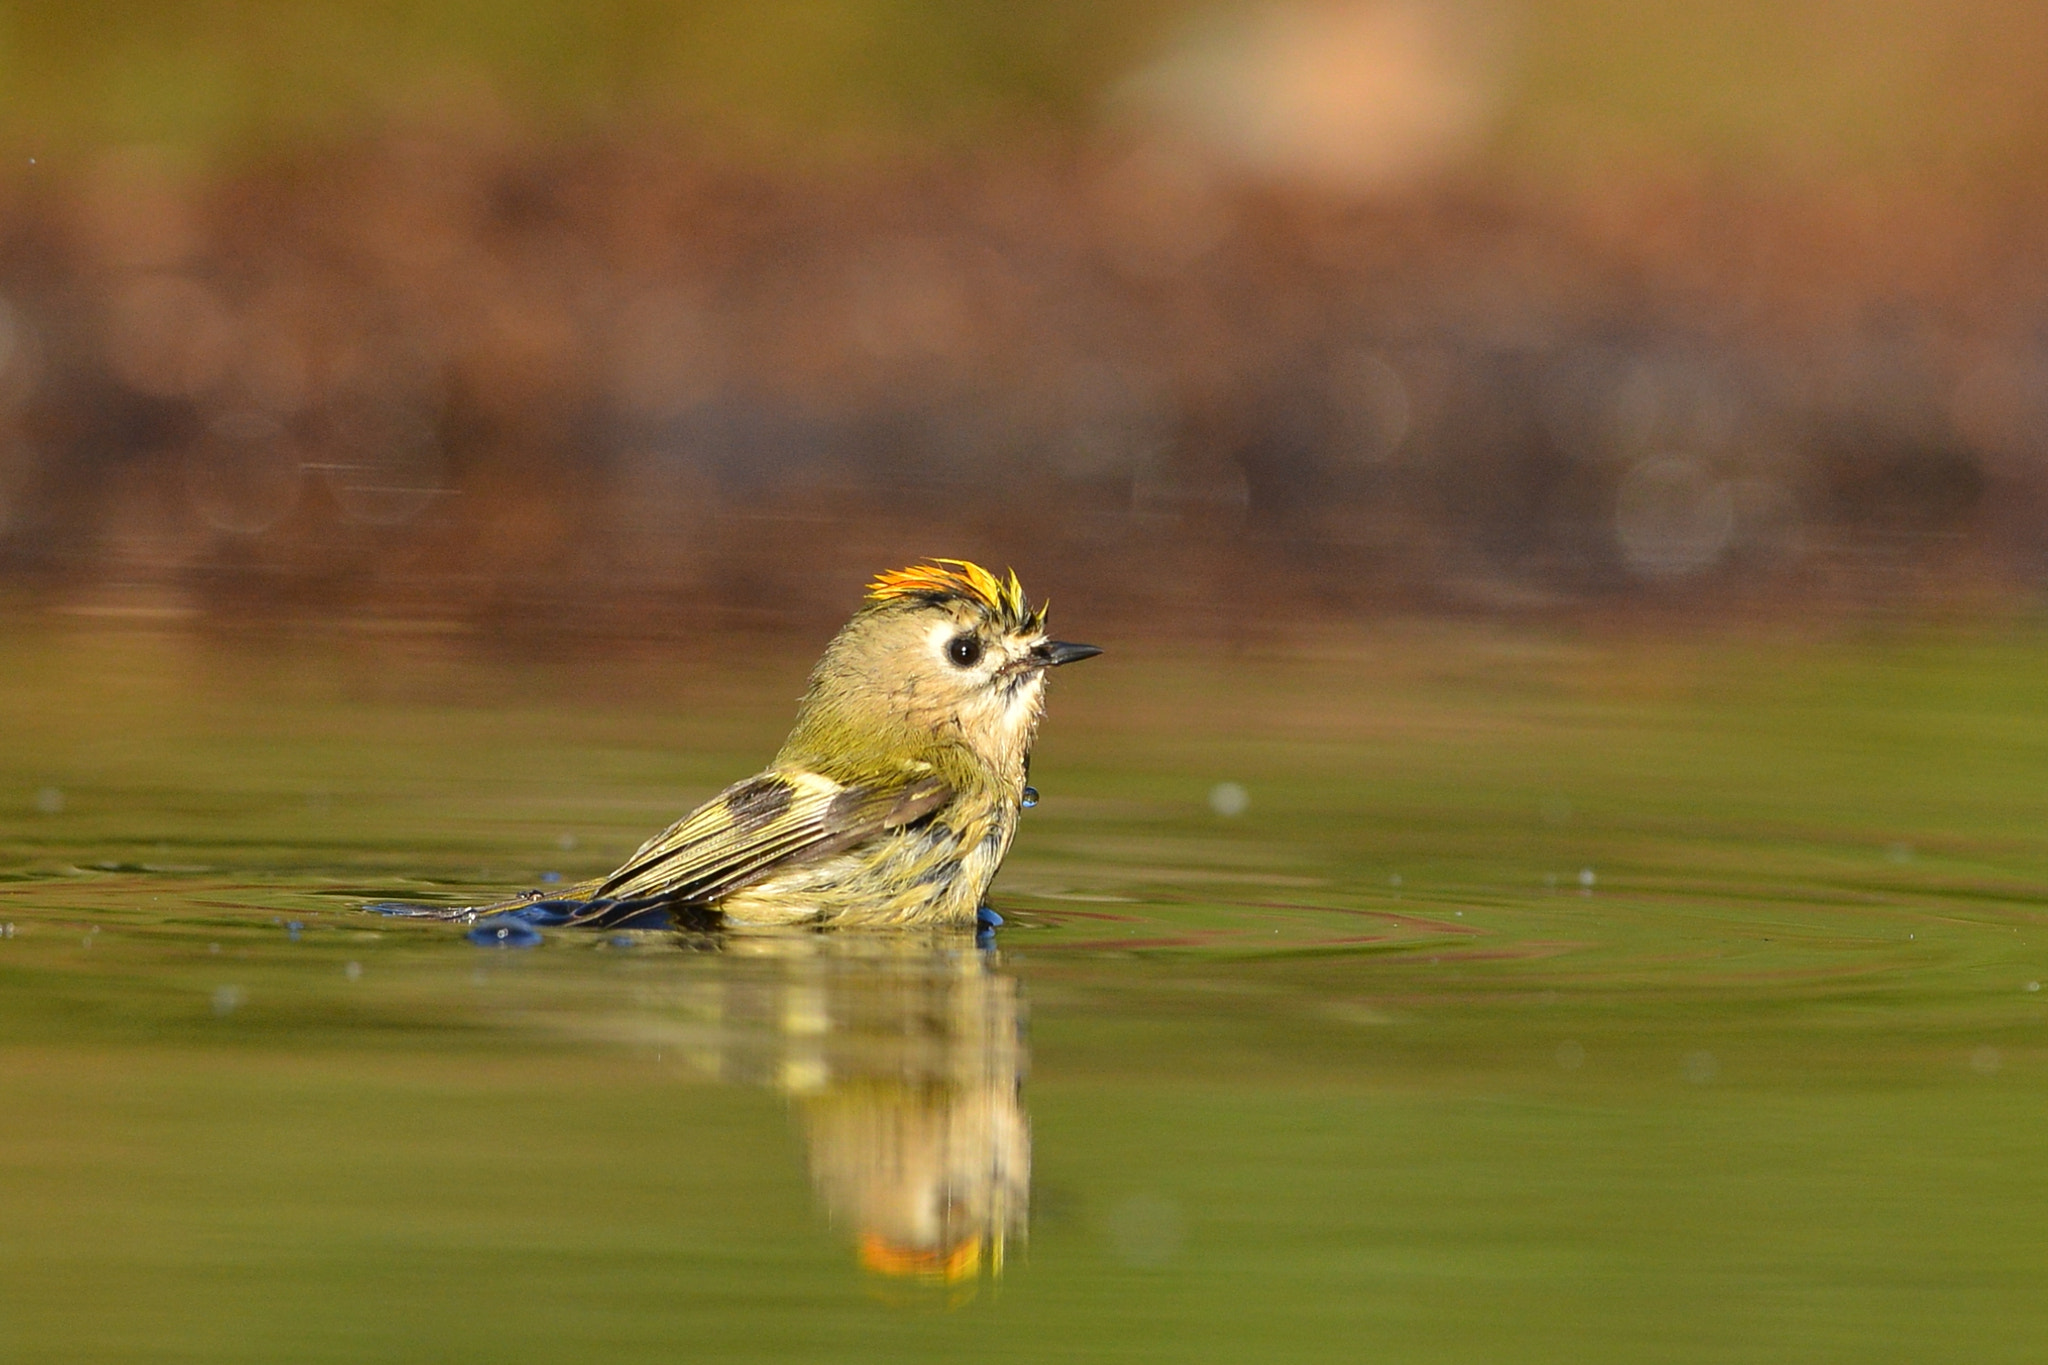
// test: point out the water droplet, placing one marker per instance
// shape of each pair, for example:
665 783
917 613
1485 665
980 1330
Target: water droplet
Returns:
2031 985
500 931
50 801
1030 797
227 999
1586 878
354 971
566 842
1229 799
291 931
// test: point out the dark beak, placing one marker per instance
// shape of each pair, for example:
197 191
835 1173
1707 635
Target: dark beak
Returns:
1057 652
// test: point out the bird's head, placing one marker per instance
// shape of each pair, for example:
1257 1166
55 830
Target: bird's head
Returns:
941 650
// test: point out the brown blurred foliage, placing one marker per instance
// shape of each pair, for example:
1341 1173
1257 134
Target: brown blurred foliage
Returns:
597 382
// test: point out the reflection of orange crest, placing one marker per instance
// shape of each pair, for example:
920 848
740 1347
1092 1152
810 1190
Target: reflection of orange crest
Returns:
949 1265
958 578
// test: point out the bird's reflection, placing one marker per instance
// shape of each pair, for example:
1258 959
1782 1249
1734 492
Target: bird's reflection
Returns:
903 1059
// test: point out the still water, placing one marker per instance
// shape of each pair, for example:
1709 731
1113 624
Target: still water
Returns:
1418 994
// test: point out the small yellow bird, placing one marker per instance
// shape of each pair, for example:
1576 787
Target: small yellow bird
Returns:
896 795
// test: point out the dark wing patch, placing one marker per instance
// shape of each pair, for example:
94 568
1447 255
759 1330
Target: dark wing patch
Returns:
756 802
763 823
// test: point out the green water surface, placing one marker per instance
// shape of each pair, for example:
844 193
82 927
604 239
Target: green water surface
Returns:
1554 996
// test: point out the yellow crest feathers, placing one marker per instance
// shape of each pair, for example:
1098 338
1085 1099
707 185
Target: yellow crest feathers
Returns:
938 579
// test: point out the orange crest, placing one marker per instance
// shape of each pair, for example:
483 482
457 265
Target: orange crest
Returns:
937 580
949 1265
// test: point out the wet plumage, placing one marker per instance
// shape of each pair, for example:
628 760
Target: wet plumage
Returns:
896 795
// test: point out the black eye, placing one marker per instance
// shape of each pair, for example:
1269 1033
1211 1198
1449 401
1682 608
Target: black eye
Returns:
964 650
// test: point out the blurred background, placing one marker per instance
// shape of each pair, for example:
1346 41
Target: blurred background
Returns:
639 318
1552 867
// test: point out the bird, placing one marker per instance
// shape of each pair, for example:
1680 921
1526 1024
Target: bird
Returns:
896 795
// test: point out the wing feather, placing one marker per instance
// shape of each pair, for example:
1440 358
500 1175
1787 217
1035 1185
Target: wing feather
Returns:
762 823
